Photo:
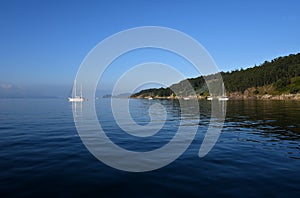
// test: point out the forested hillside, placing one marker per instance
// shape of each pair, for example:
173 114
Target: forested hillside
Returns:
279 71
281 74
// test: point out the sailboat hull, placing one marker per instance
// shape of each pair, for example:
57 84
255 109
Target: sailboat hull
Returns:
223 98
76 99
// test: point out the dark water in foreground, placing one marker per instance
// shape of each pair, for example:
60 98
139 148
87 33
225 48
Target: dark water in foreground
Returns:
257 154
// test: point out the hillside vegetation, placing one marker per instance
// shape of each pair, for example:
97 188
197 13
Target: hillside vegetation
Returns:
279 76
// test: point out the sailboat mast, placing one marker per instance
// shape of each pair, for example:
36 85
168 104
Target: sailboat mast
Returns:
74 88
81 91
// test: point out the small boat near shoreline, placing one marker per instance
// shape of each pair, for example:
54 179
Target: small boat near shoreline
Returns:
223 98
220 98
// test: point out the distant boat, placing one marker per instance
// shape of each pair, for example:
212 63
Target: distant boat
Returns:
220 98
223 97
150 98
186 98
76 98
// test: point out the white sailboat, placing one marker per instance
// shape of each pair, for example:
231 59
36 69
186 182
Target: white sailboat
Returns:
223 97
186 97
76 98
220 98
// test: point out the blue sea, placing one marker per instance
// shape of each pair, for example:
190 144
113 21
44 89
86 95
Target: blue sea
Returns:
256 155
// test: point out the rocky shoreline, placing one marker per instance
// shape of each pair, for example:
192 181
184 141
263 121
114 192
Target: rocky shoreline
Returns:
233 96
265 97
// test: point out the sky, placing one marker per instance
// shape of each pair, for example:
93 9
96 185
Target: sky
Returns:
42 43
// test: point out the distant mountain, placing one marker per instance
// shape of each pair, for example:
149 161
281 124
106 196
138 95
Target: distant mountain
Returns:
123 95
281 75
107 96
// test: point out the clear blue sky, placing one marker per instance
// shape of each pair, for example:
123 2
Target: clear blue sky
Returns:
44 42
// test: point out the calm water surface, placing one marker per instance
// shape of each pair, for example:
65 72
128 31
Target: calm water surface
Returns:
257 154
